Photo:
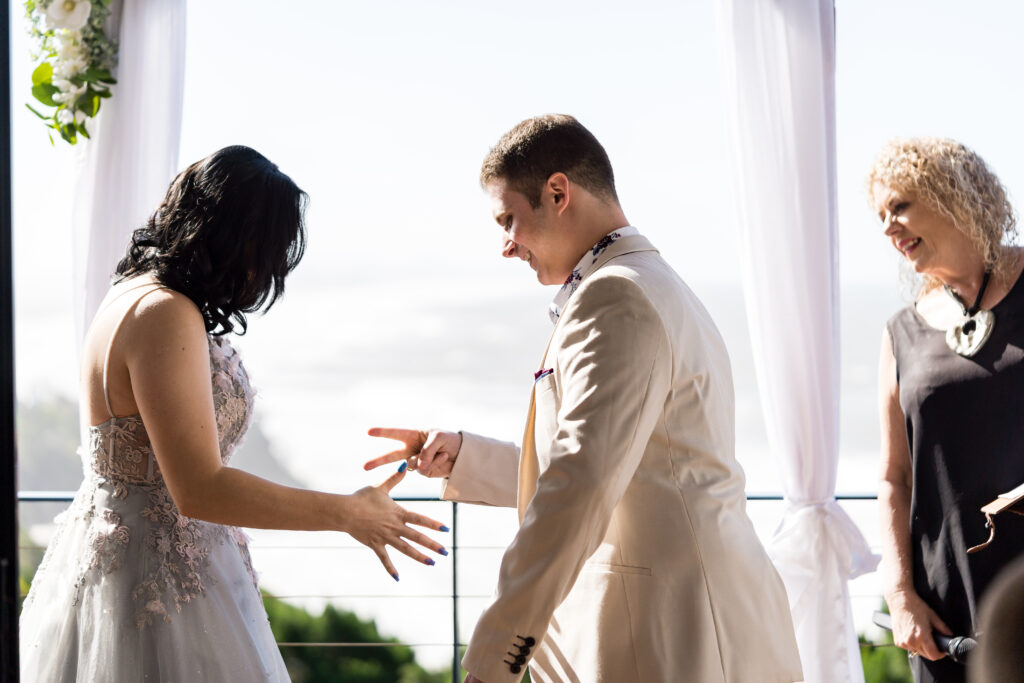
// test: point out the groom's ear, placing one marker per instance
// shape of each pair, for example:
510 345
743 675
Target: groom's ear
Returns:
557 192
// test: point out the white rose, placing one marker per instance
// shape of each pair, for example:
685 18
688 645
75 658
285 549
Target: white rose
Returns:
64 117
68 14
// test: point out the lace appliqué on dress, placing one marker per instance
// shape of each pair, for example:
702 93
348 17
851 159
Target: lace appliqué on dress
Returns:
108 540
121 456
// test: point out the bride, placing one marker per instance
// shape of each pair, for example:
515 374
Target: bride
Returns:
147 577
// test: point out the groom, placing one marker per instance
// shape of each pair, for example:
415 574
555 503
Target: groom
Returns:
634 559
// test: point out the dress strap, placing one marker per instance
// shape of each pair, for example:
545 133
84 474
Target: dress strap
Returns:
113 335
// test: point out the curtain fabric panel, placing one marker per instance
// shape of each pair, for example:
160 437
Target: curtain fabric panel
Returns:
778 72
133 154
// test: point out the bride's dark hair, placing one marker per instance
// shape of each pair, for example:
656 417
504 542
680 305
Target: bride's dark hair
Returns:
226 234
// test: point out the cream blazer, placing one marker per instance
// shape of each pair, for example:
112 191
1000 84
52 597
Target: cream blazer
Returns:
635 559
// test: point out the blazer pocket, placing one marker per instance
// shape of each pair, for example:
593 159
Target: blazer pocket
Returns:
543 377
606 568
544 384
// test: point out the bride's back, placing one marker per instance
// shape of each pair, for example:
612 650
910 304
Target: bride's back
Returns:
104 372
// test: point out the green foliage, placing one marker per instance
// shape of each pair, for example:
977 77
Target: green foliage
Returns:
292 624
74 73
884 662
42 74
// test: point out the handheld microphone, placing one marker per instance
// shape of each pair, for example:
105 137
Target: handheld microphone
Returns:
957 648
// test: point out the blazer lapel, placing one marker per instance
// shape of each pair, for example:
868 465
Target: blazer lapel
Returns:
528 464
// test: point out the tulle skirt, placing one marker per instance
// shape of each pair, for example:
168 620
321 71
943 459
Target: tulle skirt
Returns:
107 603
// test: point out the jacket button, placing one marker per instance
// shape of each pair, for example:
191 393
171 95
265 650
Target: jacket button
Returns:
515 668
528 641
523 650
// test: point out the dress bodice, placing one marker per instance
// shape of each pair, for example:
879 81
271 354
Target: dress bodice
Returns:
119 450
129 511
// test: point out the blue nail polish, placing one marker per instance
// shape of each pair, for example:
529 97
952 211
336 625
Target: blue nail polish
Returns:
430 562
395 577
401 468
443 552
445 529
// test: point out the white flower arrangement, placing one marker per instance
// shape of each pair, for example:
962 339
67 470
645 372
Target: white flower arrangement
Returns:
75 60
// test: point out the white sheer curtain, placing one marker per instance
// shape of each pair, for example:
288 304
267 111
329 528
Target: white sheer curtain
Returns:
778 68
133 154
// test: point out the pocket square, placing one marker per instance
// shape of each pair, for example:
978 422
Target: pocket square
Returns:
540 374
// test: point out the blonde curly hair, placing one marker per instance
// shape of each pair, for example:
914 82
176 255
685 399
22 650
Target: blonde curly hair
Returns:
957 183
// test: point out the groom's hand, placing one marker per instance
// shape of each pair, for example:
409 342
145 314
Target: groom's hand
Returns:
432 453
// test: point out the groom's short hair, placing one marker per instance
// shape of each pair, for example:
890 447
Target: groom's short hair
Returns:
526 156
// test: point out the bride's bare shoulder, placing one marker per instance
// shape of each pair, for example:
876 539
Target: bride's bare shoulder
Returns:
165 313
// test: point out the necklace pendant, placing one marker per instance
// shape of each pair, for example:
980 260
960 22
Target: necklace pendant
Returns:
967 337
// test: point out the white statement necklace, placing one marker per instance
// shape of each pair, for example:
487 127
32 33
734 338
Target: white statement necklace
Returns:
970 334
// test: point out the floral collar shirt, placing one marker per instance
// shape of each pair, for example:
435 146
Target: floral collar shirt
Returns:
583 269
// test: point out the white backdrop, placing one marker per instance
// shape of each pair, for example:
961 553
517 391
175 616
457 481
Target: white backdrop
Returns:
778 66
133 153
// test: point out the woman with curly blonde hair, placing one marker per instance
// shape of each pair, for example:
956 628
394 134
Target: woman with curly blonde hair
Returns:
950 372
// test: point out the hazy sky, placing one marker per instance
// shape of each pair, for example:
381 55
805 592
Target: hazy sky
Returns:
382 112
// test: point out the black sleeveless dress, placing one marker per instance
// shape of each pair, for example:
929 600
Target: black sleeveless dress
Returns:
965 424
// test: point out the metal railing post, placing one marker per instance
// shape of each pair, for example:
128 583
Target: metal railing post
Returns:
456 659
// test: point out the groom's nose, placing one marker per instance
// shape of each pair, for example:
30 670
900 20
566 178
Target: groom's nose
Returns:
508 248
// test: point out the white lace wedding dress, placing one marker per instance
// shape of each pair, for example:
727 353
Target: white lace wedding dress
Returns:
130 590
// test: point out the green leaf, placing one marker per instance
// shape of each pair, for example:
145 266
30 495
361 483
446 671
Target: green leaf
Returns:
44 118
42 74
83 131
100 75
44 92
88 104
69 133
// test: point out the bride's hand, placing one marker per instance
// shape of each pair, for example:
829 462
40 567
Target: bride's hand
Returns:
377 521
432 453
